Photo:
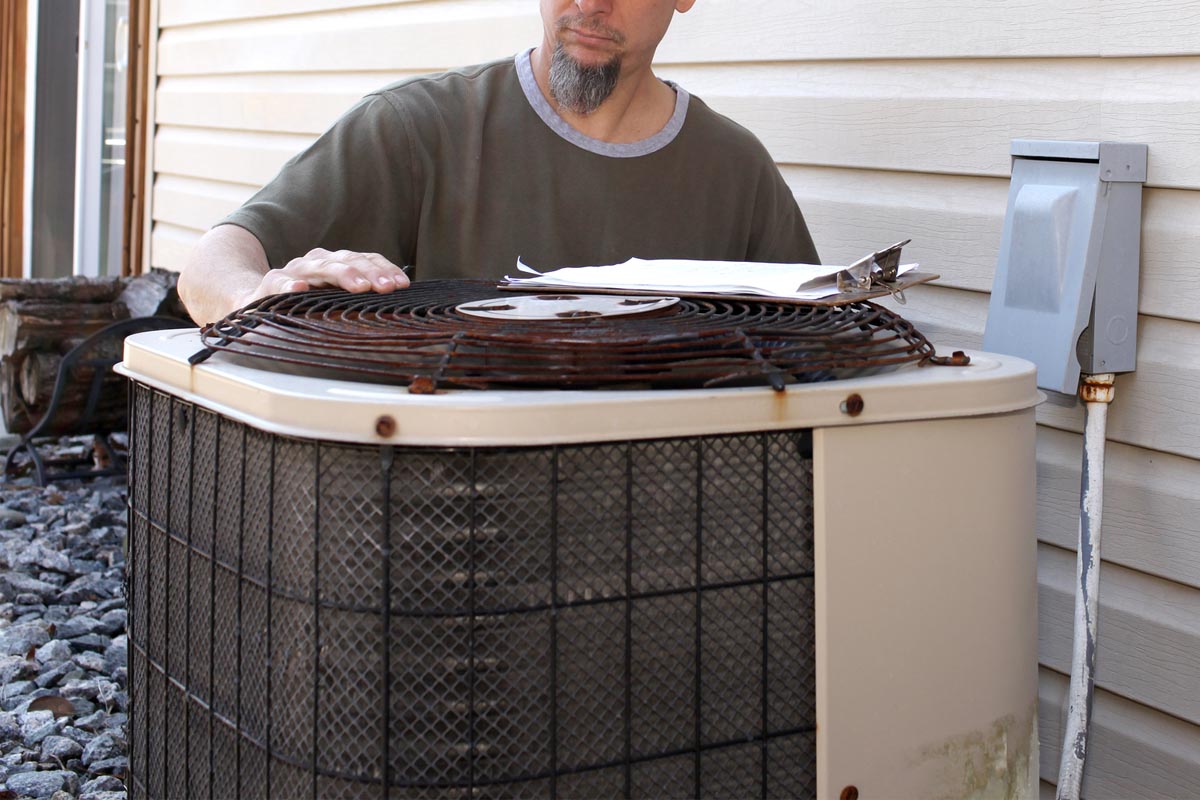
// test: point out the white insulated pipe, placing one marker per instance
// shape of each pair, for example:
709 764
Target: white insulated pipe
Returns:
1097 393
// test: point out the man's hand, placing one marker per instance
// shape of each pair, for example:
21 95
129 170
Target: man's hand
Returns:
342 269
228 269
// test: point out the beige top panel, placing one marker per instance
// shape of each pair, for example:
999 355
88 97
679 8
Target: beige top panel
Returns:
348 411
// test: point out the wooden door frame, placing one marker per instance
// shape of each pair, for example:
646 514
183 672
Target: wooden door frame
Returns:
12 137
138 129
13 42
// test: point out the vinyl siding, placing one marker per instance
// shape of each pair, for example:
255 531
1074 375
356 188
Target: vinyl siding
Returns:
889 120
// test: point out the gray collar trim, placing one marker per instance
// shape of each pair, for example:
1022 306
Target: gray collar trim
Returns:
645 147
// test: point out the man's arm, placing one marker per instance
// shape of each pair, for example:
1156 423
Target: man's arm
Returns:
228 269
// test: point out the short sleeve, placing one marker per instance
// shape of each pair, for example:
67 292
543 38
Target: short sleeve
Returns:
352 189
780 233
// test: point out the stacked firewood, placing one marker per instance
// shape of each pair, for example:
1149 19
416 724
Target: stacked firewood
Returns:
42 320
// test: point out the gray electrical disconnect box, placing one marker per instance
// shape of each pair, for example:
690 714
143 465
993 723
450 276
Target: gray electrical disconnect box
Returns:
1066 286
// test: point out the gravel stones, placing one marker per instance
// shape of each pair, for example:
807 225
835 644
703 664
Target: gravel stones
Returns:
117 653
60 748
25 589
14 693
91 661
17 668
36 554
36 727
101 748
19 639
78 626
91 642
42 784
63 649
112 623
53 651
105 783
117 766
54 671
93 586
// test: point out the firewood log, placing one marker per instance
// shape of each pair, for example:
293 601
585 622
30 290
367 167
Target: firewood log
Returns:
41 320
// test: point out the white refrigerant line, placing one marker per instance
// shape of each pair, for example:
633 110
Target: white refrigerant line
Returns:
1097 392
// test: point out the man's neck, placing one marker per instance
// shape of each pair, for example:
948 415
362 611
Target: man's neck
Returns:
639 107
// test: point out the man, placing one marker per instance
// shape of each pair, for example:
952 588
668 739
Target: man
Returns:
572 153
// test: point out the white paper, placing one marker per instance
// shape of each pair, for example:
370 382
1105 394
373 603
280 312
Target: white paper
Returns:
793 281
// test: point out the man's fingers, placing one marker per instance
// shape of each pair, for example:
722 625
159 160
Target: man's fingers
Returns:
325 272
343 269
377 269
343 273
382 275
387 276
348 267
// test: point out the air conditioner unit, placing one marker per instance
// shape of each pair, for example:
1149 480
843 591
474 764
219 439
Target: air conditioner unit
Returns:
344 589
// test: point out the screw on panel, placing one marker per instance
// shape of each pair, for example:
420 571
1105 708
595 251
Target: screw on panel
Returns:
852 405
849 793
385 426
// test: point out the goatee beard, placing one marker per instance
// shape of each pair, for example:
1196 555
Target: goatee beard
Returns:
577 87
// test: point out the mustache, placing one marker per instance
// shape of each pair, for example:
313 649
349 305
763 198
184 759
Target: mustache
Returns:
582 22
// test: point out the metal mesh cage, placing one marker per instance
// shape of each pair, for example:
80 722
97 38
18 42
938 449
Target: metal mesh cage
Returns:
323 620
422 338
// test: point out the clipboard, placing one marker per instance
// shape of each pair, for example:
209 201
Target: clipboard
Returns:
852 295
874 275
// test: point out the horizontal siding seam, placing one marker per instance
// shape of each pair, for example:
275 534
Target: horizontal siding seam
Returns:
1109 690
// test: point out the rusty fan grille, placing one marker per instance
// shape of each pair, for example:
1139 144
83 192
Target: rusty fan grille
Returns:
415 337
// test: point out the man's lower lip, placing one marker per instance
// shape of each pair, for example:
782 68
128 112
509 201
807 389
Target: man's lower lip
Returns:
589 38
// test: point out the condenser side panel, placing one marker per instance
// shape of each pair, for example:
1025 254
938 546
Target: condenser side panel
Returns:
926 611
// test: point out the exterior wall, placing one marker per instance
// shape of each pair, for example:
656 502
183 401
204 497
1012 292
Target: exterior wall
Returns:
245 84
890 120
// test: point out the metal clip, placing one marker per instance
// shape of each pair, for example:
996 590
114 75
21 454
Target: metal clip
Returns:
874 271
857 276
888 261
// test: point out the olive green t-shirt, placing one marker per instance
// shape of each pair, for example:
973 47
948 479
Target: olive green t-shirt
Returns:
459 174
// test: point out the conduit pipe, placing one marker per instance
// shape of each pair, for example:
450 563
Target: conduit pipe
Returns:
1097 392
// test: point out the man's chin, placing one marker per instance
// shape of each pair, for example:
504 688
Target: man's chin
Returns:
590 57
578 85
